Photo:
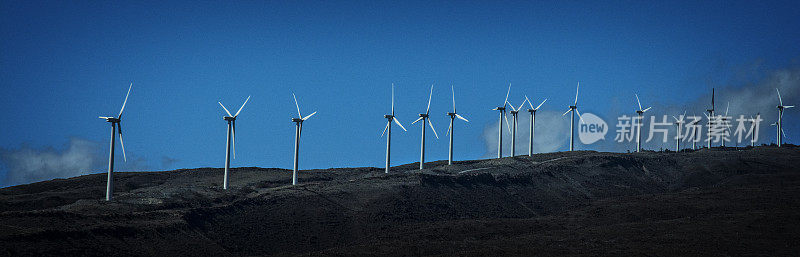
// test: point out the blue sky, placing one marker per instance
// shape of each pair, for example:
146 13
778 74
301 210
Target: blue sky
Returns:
64 63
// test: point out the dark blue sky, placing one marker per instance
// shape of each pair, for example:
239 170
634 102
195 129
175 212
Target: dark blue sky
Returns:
63 63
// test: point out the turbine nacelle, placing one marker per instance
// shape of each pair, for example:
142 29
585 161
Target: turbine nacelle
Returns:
499 108
229 118
388 116
297 120
423 115
111 119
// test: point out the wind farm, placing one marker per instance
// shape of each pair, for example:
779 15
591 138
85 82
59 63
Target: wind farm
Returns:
668 175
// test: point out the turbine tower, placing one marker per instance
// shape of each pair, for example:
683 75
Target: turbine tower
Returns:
533 123
116 128
573 108
679 125
425 119
298 130
388 128
781 107
709 116
453 115
514 112
502 110
639 112
231 139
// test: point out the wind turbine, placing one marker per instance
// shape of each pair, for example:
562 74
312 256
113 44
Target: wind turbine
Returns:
388 128
231 119
639 112
298 130
502 110
573 108
533 122
679 124
453 115
710 114
425 119
116 127
780 118
514 112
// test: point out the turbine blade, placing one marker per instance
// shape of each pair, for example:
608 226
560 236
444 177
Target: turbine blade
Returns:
427 110
566 112
788 106
226 109
233 141
509 105
580 117
576 93
449 128
712 98
398 124
309 116
392 99
386 128
125 102
121 143
420 118
507 93
784 134
297 105
240 108
523 104
779 96
529 102
508 126
676 119
434 130
540 105
648 108
726 108
462 118
638 102
454 97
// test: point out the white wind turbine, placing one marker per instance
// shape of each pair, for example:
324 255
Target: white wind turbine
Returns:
388 128
533 123
573 108
679 125
639 112
116 128
453 115
298 130
425 119
231 139
781 107
514 112
502 110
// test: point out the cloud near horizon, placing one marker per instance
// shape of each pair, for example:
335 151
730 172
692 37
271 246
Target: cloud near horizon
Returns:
79 157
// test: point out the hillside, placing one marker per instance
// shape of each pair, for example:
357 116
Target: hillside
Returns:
708 202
